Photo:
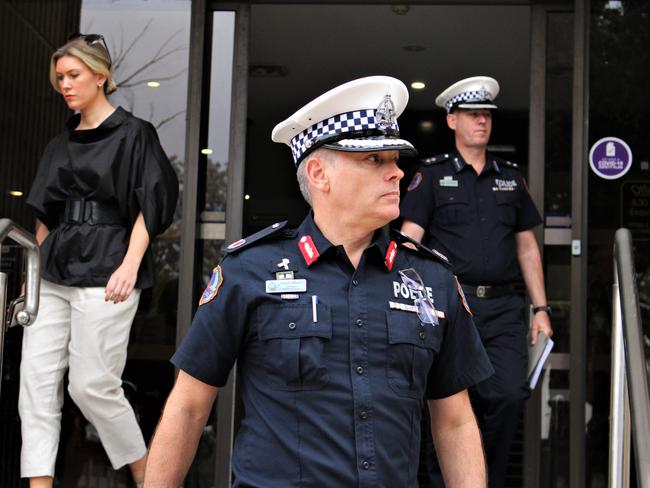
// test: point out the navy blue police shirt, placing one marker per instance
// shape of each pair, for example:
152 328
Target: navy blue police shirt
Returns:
472 218
332 386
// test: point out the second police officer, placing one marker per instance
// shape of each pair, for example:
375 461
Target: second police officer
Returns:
476 208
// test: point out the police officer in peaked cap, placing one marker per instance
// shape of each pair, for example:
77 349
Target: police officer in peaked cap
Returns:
476 208
338 330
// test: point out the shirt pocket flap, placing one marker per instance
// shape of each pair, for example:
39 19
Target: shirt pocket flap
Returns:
446 196
292 321
507 198
406 328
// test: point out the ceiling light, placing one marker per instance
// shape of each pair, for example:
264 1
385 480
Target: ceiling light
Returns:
15 193
153 84
426 126
206 151
417 85
247 197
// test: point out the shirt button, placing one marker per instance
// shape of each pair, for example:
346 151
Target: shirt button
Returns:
359 323
292 325
363 415
365 465
355 282
422 335
359 369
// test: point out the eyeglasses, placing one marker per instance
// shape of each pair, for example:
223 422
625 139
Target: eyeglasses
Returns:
424 304
92 39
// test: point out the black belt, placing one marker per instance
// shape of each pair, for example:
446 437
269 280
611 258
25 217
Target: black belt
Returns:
489 291
80 210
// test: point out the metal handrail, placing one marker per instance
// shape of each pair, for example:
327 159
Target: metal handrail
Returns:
627 318
32 281
27 315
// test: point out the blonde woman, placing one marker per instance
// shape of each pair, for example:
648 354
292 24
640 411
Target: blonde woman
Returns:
103 190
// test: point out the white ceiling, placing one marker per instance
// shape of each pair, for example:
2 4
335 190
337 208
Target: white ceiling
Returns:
322 46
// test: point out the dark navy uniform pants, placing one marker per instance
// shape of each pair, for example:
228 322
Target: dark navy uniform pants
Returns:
497 401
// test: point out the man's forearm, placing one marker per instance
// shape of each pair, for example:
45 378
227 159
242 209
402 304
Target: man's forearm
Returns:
530 262
174 444
172 450
460 453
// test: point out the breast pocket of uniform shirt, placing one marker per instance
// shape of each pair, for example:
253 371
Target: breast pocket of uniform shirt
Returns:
452 207
412 347
507 206
294 345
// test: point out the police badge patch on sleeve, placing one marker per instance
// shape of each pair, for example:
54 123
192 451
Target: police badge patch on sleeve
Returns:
462 296
415 181
213 287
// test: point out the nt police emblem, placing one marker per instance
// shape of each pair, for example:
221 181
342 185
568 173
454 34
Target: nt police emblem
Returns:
213 287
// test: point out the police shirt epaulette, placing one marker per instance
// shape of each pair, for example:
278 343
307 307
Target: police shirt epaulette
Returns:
436 159
421 249
270 231
506 162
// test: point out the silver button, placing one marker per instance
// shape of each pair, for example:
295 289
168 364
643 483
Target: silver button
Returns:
359 369
292 325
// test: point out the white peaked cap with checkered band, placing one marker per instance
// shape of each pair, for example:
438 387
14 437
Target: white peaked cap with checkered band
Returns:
475 92
360 115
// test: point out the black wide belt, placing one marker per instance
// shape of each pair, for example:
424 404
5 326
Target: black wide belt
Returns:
489 291
80 210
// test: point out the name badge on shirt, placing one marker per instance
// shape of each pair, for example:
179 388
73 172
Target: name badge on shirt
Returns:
504 185
286 286
449 181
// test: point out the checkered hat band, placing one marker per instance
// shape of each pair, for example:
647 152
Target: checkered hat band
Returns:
470 96
357 121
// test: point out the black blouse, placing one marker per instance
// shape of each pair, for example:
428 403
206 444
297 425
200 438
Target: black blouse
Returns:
119 167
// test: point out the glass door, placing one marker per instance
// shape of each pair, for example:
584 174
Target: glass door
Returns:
550 179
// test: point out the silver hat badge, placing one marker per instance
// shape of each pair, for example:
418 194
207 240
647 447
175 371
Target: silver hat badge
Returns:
385 116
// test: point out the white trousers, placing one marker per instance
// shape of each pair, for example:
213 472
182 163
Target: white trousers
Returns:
76 330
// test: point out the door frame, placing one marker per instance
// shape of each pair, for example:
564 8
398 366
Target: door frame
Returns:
198 83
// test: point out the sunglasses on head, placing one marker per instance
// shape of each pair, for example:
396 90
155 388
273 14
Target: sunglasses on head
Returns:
92 39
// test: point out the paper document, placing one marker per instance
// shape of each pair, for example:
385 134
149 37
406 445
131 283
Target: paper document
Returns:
537 355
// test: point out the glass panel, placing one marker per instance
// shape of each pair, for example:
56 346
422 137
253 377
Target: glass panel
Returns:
148 42
557 252
619 107
212 228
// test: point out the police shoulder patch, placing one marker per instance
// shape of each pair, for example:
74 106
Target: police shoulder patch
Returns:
213 286
421 249
415 181
440 158
271 231
462 297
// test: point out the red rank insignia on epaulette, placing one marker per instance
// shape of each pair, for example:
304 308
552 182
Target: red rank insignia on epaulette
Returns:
391 254
308 249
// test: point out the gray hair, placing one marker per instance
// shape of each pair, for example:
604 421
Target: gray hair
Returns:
321 153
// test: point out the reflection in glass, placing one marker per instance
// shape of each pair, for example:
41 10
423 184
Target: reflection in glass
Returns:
554 467
619 107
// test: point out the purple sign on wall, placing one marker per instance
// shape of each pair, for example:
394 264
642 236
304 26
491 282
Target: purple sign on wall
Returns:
610 158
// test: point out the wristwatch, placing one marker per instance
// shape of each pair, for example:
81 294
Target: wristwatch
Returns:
542 308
